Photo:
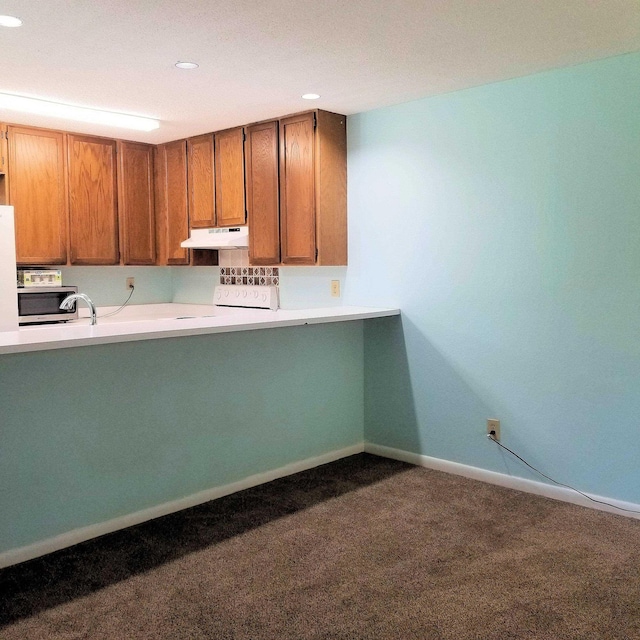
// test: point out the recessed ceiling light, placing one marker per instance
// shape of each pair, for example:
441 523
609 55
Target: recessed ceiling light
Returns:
10 21
82 114
310 96
187 65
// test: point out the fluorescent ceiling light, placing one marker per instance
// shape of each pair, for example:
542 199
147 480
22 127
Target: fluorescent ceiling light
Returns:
10 21
187 65
82 114
310 96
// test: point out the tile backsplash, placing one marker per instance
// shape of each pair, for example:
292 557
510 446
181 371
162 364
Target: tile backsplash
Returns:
235 269
250 275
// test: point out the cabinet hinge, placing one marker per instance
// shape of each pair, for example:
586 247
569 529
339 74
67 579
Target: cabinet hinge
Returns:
316 254
315 121
244 136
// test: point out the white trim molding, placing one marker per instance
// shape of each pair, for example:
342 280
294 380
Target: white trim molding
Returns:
503 480
68 539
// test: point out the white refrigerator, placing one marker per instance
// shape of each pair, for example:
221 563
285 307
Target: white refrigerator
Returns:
8 284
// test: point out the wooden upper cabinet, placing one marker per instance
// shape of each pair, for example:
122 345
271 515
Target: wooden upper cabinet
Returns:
263 202
313 189
93 211
4 162
229 165
136 203
201 181
297 189
4 149
331 188
87 200
37 190
172 207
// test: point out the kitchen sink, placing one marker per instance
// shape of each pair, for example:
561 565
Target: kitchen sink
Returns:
163 311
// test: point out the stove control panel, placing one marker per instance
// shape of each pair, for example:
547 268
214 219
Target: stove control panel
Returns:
246 295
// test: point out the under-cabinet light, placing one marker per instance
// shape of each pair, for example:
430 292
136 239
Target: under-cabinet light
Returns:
187 65
82 114
10 21
310 96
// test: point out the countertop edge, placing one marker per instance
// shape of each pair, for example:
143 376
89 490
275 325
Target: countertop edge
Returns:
196 327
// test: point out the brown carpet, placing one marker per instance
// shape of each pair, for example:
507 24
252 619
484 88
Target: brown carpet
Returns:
363 548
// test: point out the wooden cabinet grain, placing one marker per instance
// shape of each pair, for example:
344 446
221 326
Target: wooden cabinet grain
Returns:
172 212
201 182
262 193
93 210
313 189
331 188
86 200
297 189
4 162
229 170
296 181
4 149
37 191
136 203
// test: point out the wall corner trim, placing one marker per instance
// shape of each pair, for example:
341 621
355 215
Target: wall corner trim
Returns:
503 480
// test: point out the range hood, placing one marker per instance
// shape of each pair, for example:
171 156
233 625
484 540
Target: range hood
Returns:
223 238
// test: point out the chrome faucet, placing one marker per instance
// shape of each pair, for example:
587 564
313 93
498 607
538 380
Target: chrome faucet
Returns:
69 300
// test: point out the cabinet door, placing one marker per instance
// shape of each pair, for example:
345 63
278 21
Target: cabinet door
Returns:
4 151
173 218
135 203
229 163
4 162
263 203
297 190
331 188
93 211
37 191
201 182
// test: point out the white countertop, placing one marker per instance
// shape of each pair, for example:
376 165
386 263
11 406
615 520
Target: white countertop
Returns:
152 321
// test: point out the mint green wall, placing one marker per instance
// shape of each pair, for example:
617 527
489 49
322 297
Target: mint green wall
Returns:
194 285
93 433
300 287
106 286
515 258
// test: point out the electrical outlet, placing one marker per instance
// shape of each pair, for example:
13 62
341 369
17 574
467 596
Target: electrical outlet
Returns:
130 283
493 428
335 288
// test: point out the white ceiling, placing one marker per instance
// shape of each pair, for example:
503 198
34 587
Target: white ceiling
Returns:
257 57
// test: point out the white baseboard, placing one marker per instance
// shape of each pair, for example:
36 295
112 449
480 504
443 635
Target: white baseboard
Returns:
503 480
22 554
29 552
